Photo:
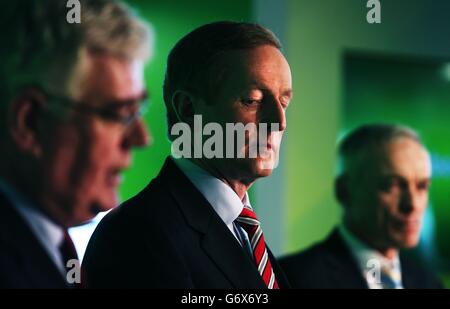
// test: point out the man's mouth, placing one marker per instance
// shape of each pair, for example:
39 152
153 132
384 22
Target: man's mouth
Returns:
114 177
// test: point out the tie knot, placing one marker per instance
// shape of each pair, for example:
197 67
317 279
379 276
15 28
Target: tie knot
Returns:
248 220
67 249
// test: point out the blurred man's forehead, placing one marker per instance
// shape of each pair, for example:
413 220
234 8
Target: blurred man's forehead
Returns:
402 157
408 156
400 154
103 77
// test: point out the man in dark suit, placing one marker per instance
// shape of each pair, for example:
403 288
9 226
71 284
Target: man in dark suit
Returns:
382 184
68 121
193 225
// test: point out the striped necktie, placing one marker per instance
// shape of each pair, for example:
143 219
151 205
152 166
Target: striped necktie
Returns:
249 222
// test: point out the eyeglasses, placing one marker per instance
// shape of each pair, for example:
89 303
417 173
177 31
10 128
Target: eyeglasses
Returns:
123 112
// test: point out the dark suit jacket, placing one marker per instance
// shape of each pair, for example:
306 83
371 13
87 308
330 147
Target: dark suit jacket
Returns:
169 236
24 263
329 265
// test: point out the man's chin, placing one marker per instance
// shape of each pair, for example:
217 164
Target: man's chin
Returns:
262 167
96 207
109 202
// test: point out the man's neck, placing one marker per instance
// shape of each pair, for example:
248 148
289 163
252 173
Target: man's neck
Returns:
37 201
388 252
237 185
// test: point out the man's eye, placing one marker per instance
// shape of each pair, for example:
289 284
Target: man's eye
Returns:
423 186
116 114
285 100
388 185
251 102
385 186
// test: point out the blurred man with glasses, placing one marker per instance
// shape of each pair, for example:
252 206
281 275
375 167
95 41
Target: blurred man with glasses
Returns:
71 96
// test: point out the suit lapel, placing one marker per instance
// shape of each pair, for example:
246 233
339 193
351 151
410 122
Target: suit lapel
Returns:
410 278
228 255
345 273
217 241
283 283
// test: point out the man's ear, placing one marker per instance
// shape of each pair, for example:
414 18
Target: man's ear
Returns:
182 104
23 121
341 191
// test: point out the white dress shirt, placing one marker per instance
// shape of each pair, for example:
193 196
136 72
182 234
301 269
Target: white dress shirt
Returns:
48 233
225 202
370 261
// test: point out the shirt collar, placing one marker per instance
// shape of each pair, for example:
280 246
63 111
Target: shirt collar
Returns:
222 198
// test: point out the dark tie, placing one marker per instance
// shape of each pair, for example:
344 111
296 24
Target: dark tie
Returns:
68 252
249 222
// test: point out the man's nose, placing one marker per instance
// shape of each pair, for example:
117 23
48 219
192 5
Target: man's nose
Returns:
408 201
137 135
276 114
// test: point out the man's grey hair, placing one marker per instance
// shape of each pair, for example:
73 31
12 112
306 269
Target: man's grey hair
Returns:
39 45
112 27
368 138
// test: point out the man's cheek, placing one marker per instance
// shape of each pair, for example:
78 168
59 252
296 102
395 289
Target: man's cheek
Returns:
423 203
389 202
276 140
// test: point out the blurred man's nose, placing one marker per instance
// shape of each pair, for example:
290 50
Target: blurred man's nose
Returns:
276 114
137 135
408 201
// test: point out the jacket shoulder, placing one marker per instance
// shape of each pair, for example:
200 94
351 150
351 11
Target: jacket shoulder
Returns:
306 260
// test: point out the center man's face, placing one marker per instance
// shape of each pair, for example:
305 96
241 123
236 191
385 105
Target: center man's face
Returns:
392 195
255 87
85 154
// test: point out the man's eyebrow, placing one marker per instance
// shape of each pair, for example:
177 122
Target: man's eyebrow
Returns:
397 176
264 88
391 175
427 179
288 93
385 177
